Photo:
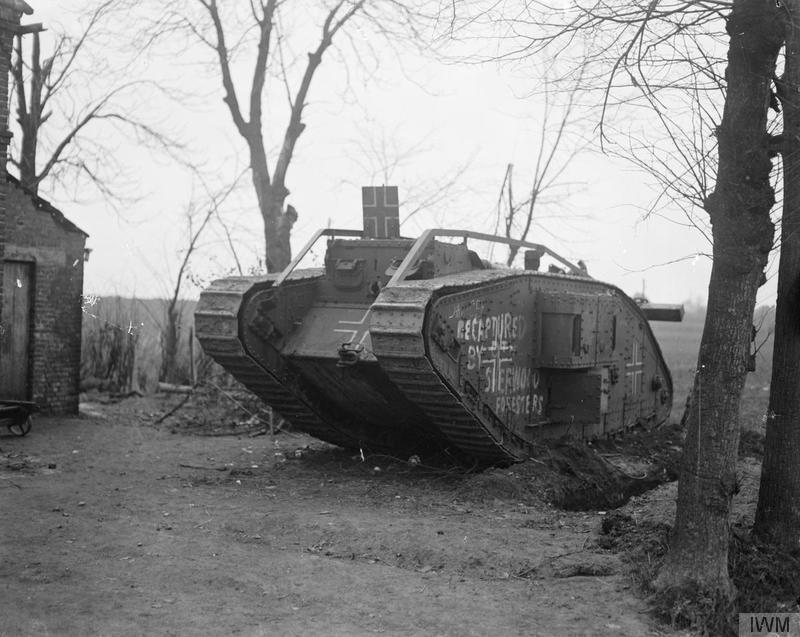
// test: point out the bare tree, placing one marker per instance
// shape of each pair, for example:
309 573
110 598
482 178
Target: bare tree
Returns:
50 80
739 210
631 51
197 220
551 160
385 157
274 75
778 513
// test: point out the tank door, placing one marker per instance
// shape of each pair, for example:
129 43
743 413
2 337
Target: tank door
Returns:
606 344
579 398
568 328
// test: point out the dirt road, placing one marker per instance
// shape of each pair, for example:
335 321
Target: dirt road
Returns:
110 526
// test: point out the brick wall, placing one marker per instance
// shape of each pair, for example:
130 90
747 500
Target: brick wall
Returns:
39 234
31 230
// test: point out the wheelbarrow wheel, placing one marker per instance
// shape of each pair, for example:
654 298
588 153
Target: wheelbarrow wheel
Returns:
21 428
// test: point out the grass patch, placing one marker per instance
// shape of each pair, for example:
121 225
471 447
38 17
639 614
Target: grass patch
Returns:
765 576
751 443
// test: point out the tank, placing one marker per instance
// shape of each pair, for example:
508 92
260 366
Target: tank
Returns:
418 346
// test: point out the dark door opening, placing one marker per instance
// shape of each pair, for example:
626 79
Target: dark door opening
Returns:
15 330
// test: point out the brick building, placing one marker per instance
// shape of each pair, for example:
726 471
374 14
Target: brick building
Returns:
41 276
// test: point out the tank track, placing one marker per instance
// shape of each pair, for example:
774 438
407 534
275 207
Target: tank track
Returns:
398 342
217 329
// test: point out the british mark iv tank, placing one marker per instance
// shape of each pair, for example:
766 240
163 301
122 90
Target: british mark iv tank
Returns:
408 346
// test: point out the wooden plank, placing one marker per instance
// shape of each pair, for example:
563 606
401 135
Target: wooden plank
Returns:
16 324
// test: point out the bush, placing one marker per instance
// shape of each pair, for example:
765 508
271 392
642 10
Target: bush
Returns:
123 343
108 350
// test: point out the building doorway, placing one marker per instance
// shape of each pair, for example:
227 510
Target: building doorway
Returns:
15 330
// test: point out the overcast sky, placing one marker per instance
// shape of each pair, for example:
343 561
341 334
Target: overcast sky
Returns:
442 120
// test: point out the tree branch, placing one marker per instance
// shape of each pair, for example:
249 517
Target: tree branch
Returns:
296 126
260 67
230 99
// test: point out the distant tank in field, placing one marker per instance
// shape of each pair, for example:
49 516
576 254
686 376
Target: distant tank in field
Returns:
416 346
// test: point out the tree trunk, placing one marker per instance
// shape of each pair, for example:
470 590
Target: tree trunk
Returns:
277 230
512 253
742 234
27 155
29 115
271 197
778 511
699 546
169 345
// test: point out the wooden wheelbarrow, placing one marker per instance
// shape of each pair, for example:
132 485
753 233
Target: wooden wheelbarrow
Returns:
16 415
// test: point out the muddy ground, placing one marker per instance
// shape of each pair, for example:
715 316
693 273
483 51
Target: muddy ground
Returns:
113 525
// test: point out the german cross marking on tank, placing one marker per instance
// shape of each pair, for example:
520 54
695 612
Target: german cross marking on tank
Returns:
381 211
353 333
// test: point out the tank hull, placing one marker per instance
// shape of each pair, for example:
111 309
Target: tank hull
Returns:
521 357
483 364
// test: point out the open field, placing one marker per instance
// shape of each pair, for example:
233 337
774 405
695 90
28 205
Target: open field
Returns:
680 343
